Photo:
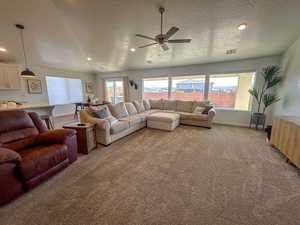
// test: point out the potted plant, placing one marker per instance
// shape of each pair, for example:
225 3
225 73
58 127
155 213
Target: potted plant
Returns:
263 95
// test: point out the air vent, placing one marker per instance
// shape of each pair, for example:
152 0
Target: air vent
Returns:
231 51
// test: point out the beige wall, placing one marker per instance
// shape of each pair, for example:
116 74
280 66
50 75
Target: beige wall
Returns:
289 91
224 116
23 95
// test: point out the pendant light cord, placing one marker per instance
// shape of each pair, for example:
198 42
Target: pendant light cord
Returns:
23 46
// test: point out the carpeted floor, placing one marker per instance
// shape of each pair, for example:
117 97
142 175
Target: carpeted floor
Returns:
223 176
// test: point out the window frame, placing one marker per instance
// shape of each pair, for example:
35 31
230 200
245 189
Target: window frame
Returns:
114 87
207 77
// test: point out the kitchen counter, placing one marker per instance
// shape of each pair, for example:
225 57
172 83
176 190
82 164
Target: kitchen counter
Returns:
41 109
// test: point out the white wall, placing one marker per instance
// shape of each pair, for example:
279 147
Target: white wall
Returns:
23 95
241 118
289 91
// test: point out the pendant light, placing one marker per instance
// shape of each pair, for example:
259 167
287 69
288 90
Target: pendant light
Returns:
27 72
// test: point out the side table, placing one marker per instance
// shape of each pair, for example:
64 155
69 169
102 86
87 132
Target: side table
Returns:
85 136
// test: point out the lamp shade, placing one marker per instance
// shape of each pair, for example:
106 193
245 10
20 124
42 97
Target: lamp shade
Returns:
27 73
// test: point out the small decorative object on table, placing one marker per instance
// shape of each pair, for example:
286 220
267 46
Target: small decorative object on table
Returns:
85 136
265 95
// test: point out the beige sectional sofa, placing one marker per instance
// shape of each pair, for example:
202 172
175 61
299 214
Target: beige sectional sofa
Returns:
125 118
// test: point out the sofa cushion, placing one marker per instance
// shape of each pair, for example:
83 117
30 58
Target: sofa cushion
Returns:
198 110
147 105
184 106
206 109
100 114
130 108
118 110
132 120
91 109
169 105
156 103
39 159
163 117
139 106
119 126
200 104
193 116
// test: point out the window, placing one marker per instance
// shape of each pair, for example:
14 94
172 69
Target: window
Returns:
64 90
230 90
114 91
188 88
156 88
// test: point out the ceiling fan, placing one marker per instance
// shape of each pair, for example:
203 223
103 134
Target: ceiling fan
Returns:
162 39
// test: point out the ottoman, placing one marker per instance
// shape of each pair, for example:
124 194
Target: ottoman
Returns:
163 121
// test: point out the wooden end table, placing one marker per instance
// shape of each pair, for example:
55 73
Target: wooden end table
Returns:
85 136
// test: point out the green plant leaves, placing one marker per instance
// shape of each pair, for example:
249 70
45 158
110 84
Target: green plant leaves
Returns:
254 93
270 99
270 72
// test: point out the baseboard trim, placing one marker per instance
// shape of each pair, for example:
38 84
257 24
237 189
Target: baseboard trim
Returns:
231 124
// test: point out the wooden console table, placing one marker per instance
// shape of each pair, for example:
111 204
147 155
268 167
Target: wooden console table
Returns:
286 137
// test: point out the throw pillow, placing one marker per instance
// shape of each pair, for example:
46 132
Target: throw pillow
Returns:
100 114
131 108
199 110
139 106
147 105
118 110
207 108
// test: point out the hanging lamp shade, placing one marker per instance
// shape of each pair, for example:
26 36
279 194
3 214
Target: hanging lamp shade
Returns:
27 72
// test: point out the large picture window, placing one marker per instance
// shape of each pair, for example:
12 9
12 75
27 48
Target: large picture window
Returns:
230 91
156 88
227 91
64 90
188 88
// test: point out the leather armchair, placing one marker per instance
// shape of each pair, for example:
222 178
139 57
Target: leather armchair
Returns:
29 153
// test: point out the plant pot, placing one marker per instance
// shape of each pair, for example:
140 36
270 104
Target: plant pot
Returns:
258 119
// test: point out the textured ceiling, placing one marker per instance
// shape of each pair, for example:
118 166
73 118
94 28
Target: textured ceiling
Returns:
63 33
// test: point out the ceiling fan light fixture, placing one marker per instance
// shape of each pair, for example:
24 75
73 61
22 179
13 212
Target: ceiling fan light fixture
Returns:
27 72
132 49
3 49
242 27
89 59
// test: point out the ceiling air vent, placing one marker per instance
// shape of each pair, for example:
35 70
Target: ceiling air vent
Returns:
231 51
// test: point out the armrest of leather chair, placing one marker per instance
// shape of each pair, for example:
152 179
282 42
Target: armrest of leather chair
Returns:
9 156
59 136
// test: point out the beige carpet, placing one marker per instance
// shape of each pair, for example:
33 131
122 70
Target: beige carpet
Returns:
223 176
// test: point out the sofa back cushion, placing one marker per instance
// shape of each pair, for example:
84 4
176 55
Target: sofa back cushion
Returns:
118 110
156 103
17 130
130 108
147 105
92 109
139 106
170 105
200 104
184 106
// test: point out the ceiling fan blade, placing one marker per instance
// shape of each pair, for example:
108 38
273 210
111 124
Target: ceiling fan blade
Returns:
144 36
171 32
180 41
164 47
144 46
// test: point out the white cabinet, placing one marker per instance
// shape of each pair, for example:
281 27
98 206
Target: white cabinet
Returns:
10 77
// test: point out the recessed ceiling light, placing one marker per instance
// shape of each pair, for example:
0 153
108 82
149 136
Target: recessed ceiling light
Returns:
3 49
132 49
89 59
242 26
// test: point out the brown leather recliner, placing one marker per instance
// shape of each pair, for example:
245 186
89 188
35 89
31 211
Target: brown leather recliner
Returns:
29 153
